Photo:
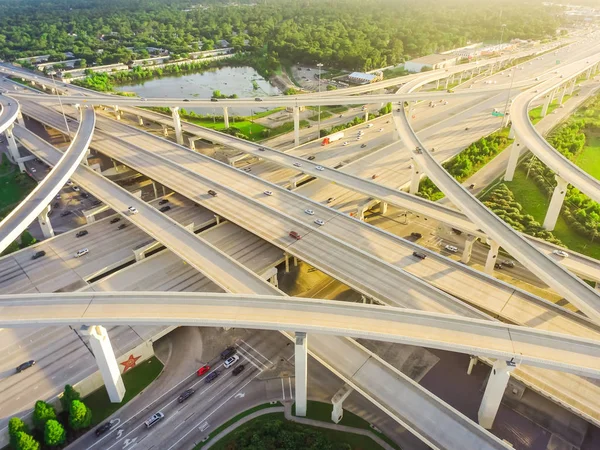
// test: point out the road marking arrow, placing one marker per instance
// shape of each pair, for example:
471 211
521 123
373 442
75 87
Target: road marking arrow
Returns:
240 395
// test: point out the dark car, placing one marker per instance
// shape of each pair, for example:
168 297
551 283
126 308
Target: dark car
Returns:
212 193
163 201
258 99
363 146
115 220
229 351
311 157
165 208
498 266
295 235
56 205
185 395
417 235
330 199
25 365
211 377
239 369
214 100
65 213
81 233
261 149
122 226
103 428
39 254
186 99
419 255
96 202
456 231
85 195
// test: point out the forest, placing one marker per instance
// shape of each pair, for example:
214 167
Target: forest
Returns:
349 34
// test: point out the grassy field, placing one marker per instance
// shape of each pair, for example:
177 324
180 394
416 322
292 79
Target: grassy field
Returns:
254 131
589 158
535 114
394 73
324 115
14 187
535 202
355 441
135 380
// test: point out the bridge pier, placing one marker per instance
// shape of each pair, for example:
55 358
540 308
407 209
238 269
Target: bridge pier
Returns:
366 114
572 87
140 121
547 103
165 130
492 256
177 125
117 112
513 159
383 207
338 401
296 115
106 361
562 95
494 391
588 74
415 178
226 116
447 83
437 84
473 360
12 147
301 372
558 197
44 221
466 255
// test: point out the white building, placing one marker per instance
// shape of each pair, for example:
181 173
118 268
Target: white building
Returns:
431 62
365 78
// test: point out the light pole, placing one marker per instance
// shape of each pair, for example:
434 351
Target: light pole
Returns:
52 73
512 80
319 65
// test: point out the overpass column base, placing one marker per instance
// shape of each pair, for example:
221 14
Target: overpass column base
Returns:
494 391
466 255
383 207
45 225
562 95
155 190
177 125
301 372
117 112
226 116
513 159
547 103
437 84
13 149
447 83
217 219
140 121
558 197
492 256
511 132
90 218
572 87
106 361
366 115
337 401
472 363
296 115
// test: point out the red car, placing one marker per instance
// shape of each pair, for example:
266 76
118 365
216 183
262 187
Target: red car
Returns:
295 235
202 370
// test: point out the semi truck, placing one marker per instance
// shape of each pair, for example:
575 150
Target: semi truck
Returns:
333 137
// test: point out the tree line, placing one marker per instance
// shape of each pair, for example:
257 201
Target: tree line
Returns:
349 34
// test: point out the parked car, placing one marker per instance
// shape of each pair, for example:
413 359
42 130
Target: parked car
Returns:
76 188
202 370
185 395
39 254
103 428
345 143
330 199
239 369
420 255
498 266
258 99
81 233
451 248
25 365
214 100
295 235
165 208
115 220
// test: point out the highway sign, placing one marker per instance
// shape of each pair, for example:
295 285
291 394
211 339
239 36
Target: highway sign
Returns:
497 114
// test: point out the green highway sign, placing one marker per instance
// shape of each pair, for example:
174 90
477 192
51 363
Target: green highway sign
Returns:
497 114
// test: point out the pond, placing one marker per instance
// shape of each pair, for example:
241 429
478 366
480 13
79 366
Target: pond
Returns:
243 81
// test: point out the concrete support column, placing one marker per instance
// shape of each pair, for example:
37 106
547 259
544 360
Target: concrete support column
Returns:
572 88
165 130
301 372
217 219
562 95
177 125
154 188
226 116
492 256
547 103
460 78
383 207
511 132
140 120
106 361
466 255
494 391
338 401
588 74
437 84
558 197
13 149
513 159
45 225
447 83
20 120
415 178
117 112
287 262
273 280
452 79
192 140
296 114
472 363
366 115
360 212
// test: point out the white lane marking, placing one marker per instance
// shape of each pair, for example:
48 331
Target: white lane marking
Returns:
216 409
282 389
249 357
204 426
257 351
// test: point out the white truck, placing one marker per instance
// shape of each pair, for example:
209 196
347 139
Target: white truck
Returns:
333 137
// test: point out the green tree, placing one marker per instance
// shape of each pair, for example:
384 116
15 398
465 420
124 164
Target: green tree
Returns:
80 416
25 441
69 394
27 239
15 426
42 413
54 433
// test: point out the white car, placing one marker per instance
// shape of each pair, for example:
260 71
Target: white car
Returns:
76 188
369 125
80 253
33 170
132 210
561 253
358 138
451 248
297 164
320 168
268 192
346 143
310 212
319 222
69 183
380 130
